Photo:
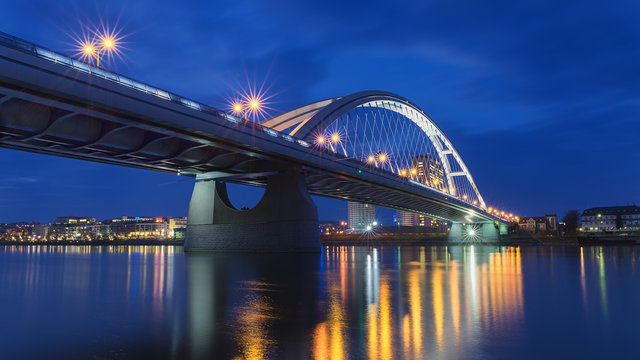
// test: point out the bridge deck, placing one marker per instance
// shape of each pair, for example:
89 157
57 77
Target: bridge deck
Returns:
53 105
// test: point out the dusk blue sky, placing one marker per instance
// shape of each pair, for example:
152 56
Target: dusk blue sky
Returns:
541 99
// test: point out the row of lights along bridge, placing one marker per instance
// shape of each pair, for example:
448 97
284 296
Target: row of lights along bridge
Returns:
250 105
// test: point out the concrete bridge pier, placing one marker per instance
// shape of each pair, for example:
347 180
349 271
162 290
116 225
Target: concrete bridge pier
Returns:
285 219
484 232
503 229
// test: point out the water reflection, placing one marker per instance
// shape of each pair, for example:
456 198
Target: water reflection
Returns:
249 306
62 295
419 307
345 303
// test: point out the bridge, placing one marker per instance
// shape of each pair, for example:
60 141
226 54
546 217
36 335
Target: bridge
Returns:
373 147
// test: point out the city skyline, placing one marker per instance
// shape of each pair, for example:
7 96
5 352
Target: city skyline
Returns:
529 106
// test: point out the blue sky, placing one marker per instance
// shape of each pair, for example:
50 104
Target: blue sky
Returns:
540 98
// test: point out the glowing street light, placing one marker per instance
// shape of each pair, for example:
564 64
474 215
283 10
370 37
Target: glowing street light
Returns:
371 159
335 138
320 140
237 108
414 171
382 157
403 172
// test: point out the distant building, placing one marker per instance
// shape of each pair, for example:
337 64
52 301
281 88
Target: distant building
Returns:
406 219
177 226
333 227
539 224
605 218
140 228
73 220
73 228
429 170
361 215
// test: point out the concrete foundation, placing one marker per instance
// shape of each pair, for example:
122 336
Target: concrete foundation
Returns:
285 219
483 232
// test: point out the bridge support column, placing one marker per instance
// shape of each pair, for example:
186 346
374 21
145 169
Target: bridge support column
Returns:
504 230
484 232
455 234
285 219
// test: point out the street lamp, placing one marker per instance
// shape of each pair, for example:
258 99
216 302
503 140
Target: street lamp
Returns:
107 44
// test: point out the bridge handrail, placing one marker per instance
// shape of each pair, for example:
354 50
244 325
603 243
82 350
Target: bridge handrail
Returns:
44 53
50 55
39 51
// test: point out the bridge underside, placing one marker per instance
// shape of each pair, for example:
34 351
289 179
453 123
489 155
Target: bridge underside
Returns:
50 108
38 123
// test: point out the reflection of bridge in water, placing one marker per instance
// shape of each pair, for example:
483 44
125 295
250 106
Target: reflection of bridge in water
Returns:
373 147
345 303
432 300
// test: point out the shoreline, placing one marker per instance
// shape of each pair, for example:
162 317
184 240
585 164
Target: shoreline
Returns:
150 242
379 240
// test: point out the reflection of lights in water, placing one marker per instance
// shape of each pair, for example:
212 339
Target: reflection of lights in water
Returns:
438 305
470 293
583 280
603 282
253 323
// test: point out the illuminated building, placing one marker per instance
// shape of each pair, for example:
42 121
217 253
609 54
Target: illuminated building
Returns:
605 218
360 215
405 219
333 227
72 220
536 224
140 228
74 228
429 170
177 226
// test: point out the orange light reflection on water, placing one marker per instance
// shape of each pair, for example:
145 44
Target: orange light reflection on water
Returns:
459 292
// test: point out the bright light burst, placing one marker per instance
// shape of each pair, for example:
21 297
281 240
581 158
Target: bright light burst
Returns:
251 102
99 44
471 233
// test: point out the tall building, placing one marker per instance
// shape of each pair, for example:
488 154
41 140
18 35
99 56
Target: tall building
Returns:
429 170
360 215
405 218
605 218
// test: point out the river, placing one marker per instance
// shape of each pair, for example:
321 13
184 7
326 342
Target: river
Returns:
456 302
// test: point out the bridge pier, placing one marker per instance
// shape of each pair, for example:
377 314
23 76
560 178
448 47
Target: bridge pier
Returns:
285 219
503 229
484 232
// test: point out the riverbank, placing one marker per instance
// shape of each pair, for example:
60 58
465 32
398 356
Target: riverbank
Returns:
145 242
415 240
505 240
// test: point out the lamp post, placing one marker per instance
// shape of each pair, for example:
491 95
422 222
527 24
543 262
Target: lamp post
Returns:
107 44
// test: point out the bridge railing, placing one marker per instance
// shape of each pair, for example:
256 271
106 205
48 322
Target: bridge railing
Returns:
50 55
43 53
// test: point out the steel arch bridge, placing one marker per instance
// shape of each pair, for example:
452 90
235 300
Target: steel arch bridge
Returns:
373 147
387 131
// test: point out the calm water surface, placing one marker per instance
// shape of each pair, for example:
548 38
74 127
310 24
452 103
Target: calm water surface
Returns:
473 302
